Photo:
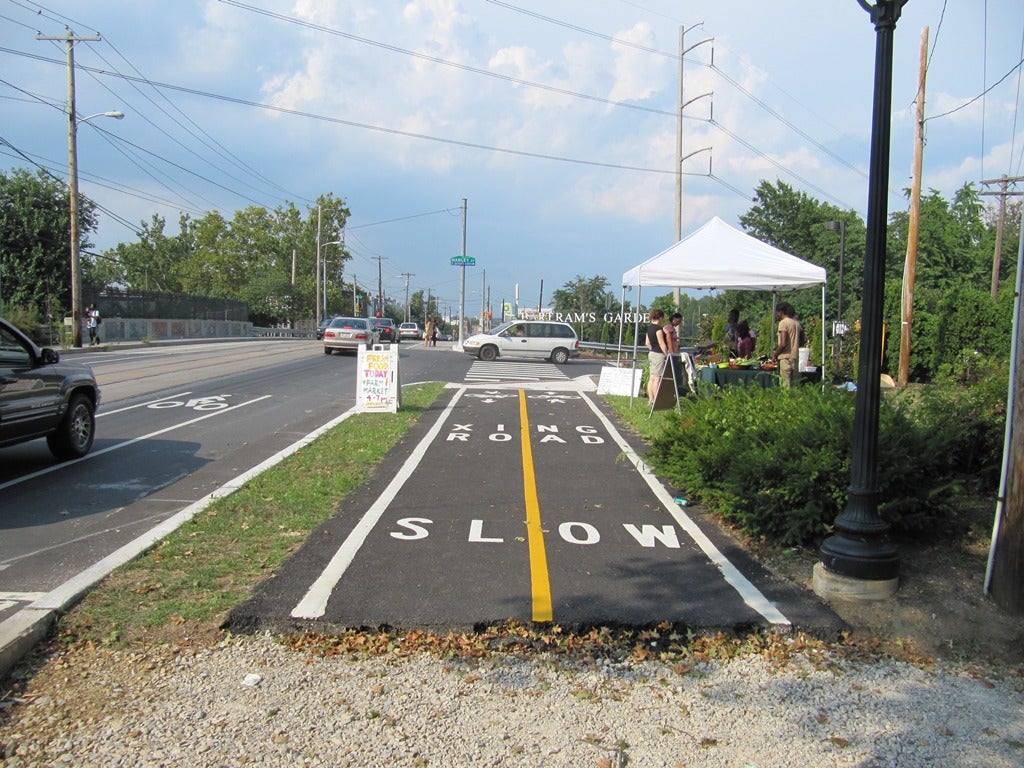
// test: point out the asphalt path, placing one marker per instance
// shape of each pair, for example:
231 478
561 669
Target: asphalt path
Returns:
522 501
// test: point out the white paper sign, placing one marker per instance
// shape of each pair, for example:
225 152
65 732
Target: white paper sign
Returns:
378 385
616 381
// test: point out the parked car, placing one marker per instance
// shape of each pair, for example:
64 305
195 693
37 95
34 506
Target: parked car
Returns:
40 396
387 330
547 339
323 324
410 331
349 333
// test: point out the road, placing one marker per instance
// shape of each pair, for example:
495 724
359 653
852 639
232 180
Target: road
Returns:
176 423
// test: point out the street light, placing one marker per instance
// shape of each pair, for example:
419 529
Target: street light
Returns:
76 274
858 560
841 227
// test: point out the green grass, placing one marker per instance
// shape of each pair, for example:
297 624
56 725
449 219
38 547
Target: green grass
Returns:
639 416
215 560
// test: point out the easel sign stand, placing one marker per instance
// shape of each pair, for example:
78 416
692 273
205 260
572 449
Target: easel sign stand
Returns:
378 383
667 396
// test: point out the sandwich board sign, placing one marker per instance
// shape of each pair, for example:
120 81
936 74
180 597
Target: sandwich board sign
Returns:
378 384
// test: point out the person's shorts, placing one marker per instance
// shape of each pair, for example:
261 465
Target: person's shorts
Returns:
657 361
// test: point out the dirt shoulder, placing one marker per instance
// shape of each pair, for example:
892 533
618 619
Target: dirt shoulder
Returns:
940 609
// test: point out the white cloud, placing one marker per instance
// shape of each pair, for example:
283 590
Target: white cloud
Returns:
638 74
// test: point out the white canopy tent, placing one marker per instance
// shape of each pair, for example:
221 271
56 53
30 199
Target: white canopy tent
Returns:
717 257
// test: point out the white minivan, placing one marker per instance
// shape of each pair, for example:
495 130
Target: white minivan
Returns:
546 339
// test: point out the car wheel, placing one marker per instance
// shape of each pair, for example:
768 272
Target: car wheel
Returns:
488 353
327 350
73 437
560 356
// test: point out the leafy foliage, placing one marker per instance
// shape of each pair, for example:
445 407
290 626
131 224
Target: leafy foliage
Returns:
35 246
776 463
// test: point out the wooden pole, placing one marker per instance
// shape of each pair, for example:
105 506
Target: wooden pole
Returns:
910 265
1005 577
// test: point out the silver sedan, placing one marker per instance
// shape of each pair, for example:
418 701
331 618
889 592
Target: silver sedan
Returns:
349 333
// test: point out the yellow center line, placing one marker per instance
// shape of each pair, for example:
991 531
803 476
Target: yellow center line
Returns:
540 585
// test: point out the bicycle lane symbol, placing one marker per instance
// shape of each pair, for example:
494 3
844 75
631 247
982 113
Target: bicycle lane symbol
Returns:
208 403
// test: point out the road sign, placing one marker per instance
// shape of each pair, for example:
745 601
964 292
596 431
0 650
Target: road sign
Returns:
463 261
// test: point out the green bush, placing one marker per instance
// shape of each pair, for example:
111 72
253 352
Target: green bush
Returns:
776 463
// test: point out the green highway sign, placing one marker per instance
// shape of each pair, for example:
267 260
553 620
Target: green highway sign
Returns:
463 261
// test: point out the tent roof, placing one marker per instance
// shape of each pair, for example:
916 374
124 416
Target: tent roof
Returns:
720 256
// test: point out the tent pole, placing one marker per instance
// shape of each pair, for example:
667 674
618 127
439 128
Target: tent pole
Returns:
622 325
824 348
636 336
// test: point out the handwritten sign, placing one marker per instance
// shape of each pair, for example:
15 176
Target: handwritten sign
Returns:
619 381
378 385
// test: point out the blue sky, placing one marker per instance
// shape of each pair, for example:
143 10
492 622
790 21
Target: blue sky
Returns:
554 120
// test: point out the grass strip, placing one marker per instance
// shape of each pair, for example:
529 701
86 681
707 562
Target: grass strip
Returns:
215 560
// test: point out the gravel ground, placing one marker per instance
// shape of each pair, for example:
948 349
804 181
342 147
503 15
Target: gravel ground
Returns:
253 701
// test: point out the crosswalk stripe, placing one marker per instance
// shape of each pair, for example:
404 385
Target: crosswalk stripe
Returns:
498 371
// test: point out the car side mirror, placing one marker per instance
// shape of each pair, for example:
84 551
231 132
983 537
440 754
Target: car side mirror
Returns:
50 356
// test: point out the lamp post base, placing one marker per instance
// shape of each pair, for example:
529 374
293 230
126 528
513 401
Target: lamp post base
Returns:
828 584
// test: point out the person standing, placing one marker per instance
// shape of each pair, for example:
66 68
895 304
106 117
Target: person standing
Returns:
672 332
93 324
731 322
787 353
434 333
658 355
744 341
428 331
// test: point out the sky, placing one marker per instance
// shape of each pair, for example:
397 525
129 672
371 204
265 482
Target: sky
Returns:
555 122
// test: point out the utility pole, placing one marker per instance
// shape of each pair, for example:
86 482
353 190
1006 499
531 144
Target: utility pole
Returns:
407 275
316 299
910 265
1003 193
76 272
679 140
1004 578
462 283
380 286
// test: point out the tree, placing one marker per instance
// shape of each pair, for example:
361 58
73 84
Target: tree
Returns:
795 222
35 246
580 299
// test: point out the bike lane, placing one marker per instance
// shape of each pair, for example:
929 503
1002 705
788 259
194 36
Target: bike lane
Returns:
524 503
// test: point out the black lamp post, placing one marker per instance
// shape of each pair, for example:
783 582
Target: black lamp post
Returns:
859 549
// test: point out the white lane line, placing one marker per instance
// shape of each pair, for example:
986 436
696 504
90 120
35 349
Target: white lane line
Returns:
119 446
142 405
314 602
750 594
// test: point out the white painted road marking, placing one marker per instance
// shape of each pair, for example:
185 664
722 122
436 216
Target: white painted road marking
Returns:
750 594
119 446
314 602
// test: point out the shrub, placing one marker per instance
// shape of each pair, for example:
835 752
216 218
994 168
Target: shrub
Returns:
776 463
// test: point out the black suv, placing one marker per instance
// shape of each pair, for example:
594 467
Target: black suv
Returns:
387 329
42 397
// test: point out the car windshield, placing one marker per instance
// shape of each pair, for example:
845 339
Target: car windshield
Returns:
500 328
